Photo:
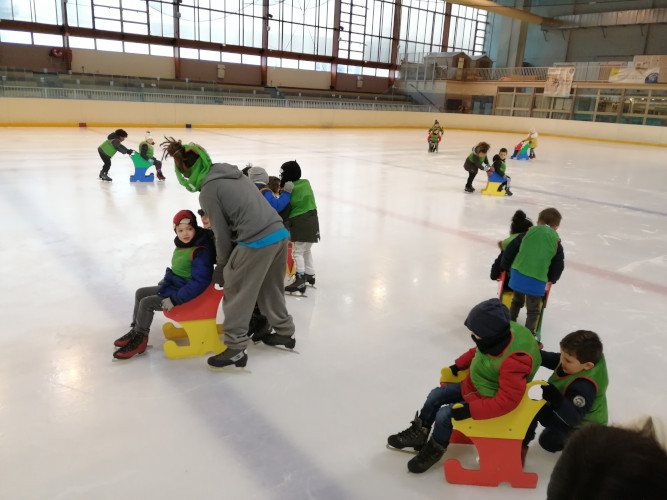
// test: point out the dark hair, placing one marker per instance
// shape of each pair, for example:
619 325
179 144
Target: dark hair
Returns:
182 159
245 169
120 133
503 150
274 183
520 223
482 147
550 217
201 212
609 463
583 345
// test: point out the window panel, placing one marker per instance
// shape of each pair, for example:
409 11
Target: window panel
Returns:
252 60
22 37
77 42
186 53
139 29
109 45
162 50
136 48
48 40
209 55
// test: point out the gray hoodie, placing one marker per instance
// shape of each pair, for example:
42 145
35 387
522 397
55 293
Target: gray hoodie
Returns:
237 210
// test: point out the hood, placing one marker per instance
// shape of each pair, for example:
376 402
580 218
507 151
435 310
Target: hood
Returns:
222 171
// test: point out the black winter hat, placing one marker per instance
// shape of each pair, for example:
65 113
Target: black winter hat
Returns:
488 318
290 171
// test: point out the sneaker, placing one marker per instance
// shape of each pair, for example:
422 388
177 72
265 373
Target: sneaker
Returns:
104 176
275 340
136 345
298 286
310 279
125 339
470 189
229 357
427 457
414 436
160 177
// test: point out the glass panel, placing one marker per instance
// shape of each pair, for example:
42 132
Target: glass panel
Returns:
585 103
657 106
563 103
635 105
162 50
636 92
109 45
209 55
660 122
307 65
608 104
587 92
586 117
136 48
560 116
230 57
611 91
632 120
503 112
48 40
189 53
504 100
522 101
15 37
518 112
77 42
541 114
251 60
605 118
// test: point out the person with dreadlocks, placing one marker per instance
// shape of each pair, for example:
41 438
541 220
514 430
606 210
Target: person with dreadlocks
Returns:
251 249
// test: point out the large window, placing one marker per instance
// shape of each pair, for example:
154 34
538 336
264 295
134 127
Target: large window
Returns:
467 30
366 30
35 11
230 22
302 26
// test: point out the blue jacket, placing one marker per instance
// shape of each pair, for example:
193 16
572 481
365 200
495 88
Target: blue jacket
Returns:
181 290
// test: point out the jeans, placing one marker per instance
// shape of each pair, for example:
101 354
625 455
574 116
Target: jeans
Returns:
437 410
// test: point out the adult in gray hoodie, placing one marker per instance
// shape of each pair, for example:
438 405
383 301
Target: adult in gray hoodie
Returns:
251 248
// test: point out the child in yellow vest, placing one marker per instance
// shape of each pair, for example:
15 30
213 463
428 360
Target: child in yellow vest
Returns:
190 274
146 152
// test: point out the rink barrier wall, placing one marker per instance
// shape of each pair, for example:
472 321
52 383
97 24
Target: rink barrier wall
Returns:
18 112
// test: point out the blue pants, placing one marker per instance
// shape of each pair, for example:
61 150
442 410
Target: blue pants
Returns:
437 409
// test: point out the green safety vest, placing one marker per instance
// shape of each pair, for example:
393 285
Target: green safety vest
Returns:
485 369
509 240
108 148
302 199
597 375
149 152
181 262
537 249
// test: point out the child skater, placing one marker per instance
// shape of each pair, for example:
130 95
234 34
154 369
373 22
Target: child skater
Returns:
520 224
532 139
499 167
576 394
477 160
303 225
434 137
146 152
190 274
505 359
534 258
109 148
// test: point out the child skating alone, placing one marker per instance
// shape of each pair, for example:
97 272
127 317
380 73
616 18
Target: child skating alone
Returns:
499 167
476 160
434 137
110 147
534 258
303 225
190 274
505 359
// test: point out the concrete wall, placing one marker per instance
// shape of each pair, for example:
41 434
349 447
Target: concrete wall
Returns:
36 112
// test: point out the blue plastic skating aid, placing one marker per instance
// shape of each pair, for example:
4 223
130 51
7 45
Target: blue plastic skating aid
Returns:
140 167
525 152
495 180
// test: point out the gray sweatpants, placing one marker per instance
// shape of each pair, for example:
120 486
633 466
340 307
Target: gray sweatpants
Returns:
255 275
146 302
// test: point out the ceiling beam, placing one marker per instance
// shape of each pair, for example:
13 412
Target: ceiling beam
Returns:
512 12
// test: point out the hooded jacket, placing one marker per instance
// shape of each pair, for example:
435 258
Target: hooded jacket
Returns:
236 209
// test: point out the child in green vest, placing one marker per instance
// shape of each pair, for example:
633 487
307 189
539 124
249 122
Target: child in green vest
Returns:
303 225
146 152
190 274
576 394
476 160
520 224
535 258
499 167
109 148
434 137
505 359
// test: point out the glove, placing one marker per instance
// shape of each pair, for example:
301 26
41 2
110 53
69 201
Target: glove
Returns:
461 412
167 304
130 151
151 161
218 277
551 395
289 186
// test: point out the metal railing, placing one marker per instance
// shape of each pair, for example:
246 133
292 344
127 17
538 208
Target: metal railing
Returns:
120 95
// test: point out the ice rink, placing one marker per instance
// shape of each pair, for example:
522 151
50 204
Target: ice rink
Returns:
404 255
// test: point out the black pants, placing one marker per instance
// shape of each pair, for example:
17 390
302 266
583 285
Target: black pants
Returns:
106 159
533 308
157 164
471 177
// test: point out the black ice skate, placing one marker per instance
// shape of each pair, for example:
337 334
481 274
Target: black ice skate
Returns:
125 339
414 436
470 189
259 326
160 177
137 345
427 457
298 287
508 192
283 342
104 176
228 357
310 279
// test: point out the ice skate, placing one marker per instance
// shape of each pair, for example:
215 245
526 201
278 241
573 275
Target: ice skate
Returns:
125 339
227 358
259 327
137 345
470 189
310 279
508 192
298 287
160 177
414 436
282 342
427 457
104 176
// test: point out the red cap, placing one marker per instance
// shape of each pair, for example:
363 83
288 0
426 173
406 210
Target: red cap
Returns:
185 217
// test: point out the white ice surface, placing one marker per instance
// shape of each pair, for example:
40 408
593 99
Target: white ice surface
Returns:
405 254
